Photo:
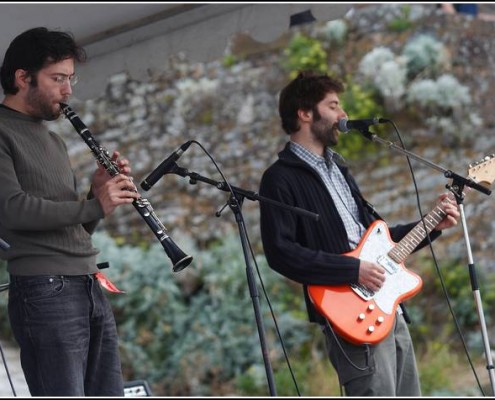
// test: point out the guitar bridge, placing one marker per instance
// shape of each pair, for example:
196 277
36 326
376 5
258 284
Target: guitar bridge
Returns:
362 291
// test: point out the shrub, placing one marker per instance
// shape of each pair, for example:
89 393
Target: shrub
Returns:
193 341
335 31
425 54
304 53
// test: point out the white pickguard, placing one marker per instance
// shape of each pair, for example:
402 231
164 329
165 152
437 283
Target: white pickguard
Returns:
397 282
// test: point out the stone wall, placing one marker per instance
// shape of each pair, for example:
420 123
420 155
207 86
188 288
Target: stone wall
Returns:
232 113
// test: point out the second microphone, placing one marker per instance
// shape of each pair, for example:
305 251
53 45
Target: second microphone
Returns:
165 167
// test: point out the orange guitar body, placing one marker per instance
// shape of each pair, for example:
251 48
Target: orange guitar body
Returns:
362 317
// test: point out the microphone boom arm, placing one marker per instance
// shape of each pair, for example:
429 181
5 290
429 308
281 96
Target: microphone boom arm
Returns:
238 191
235 202
447 173
457 188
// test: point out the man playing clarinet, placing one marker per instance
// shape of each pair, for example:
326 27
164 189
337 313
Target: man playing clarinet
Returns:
59 315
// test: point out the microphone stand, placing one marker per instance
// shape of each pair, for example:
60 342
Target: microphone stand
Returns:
457 187
235 203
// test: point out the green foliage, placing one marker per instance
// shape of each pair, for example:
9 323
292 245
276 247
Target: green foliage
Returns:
335 31
309 368
253 382
403 22
304 53
193 341
229 60
458 284
442 103
440 96
438 363
358 102
202 339
432 367
193 333
431 307
402 85
424 54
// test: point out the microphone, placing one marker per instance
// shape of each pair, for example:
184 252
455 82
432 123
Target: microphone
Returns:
165 167
344 125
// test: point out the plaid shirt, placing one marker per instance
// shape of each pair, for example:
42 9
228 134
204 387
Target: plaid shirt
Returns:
337 187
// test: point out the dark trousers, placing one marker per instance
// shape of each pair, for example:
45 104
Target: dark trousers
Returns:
67 336
386 369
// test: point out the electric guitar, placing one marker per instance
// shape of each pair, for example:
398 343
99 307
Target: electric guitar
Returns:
362 316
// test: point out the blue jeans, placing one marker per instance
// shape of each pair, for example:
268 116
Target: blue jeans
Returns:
67 335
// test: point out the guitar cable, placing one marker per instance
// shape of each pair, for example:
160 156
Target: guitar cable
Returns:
367 352
437 268
405 314
253 258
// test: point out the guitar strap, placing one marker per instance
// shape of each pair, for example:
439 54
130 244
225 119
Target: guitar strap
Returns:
339 160
371 208
405 314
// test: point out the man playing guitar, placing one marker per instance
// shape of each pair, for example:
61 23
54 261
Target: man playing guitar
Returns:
379 360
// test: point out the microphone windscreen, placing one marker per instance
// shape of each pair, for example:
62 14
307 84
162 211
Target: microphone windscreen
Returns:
342 125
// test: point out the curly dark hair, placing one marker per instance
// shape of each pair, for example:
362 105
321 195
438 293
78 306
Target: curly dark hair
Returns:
304 93
33 49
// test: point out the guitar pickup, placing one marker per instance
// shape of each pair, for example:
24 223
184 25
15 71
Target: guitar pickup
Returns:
390 265
362 291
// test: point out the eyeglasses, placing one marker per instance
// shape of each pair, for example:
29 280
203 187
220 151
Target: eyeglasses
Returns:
62 79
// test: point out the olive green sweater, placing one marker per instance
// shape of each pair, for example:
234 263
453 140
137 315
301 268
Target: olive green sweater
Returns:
47 226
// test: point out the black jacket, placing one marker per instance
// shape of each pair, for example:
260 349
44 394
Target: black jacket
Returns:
300 248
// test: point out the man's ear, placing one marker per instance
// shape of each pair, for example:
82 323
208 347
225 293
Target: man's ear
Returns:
22 78
305 115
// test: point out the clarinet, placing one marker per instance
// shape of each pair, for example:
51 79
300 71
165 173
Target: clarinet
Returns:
179 259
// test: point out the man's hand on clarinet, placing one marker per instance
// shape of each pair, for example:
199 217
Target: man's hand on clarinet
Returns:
101 175
117 190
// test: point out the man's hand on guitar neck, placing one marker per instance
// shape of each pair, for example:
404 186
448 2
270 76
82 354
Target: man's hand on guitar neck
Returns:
371 275
450 207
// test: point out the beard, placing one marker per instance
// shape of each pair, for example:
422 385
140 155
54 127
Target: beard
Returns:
324 131
41 104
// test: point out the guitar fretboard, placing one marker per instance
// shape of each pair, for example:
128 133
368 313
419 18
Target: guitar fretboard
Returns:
407 245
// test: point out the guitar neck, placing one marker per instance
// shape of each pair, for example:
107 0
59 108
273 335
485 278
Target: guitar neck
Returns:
407 245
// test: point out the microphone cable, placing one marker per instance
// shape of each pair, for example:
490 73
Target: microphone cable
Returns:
435 261
255 263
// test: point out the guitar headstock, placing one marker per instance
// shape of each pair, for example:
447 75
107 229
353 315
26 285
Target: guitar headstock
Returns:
483 171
